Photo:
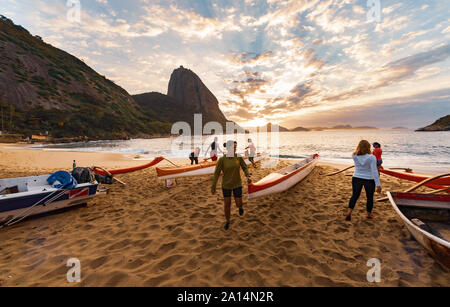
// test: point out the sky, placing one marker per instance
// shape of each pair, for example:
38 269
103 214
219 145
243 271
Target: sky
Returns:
293 62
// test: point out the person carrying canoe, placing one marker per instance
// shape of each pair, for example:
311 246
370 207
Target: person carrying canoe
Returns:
194 156
230 165
214 150
366 175
251 156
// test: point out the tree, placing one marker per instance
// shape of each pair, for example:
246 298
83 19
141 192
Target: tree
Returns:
11 114
2 104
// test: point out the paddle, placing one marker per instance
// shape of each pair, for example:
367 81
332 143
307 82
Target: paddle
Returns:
341 171
171 162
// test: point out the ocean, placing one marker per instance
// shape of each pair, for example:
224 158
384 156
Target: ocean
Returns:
421 151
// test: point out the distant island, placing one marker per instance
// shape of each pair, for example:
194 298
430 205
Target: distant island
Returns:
300 129
304 129
350 127
442 124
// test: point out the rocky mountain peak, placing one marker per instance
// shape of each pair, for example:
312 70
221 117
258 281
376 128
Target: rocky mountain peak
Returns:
187 88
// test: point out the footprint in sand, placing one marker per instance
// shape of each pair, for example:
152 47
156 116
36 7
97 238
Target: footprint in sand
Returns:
116 279
168 262
156 281
135 264
98 262
120 245
165 248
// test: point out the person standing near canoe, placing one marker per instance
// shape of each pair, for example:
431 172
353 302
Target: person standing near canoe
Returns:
366 175
252 154
194 156
231 165
214 150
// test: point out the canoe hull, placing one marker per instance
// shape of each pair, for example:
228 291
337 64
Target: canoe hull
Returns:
437 184
284 184
130 169
206 168
437 247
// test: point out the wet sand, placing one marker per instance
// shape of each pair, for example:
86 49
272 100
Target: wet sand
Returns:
146 235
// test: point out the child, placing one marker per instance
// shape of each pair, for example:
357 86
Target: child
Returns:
377 152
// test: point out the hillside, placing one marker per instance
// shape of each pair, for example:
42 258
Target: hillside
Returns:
43 88
442 124
163 107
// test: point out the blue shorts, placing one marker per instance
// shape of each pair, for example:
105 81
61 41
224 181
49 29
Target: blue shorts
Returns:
379 163
236 192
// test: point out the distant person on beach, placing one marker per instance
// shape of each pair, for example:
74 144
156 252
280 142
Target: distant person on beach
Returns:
194 156
366 175
377 152
252 154
214 150
230 165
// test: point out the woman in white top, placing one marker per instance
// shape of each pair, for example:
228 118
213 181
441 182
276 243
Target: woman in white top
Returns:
366 175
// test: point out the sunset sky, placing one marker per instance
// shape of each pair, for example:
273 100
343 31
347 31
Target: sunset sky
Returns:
298 63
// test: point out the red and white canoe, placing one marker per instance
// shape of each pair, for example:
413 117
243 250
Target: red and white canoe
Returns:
283 179
130 169
437 184
203 168
426 217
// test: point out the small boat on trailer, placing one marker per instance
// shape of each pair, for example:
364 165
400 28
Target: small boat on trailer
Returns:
407 174
203 168
427 218
29 196
283 179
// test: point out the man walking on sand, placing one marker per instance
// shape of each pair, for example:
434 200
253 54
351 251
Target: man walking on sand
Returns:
231 165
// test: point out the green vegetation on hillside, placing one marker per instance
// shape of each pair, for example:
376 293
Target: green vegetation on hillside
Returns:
90 121
55 92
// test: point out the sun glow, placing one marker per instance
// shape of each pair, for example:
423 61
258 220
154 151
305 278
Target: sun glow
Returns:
258 122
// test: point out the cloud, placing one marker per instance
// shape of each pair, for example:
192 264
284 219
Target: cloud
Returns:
396 71
269 59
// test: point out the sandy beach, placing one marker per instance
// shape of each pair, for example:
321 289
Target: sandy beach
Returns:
146 235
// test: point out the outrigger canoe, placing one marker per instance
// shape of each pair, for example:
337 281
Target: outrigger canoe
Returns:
283 179
427 218
438 184
203 168
130 169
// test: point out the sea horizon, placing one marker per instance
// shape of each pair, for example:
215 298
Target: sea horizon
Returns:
430 154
